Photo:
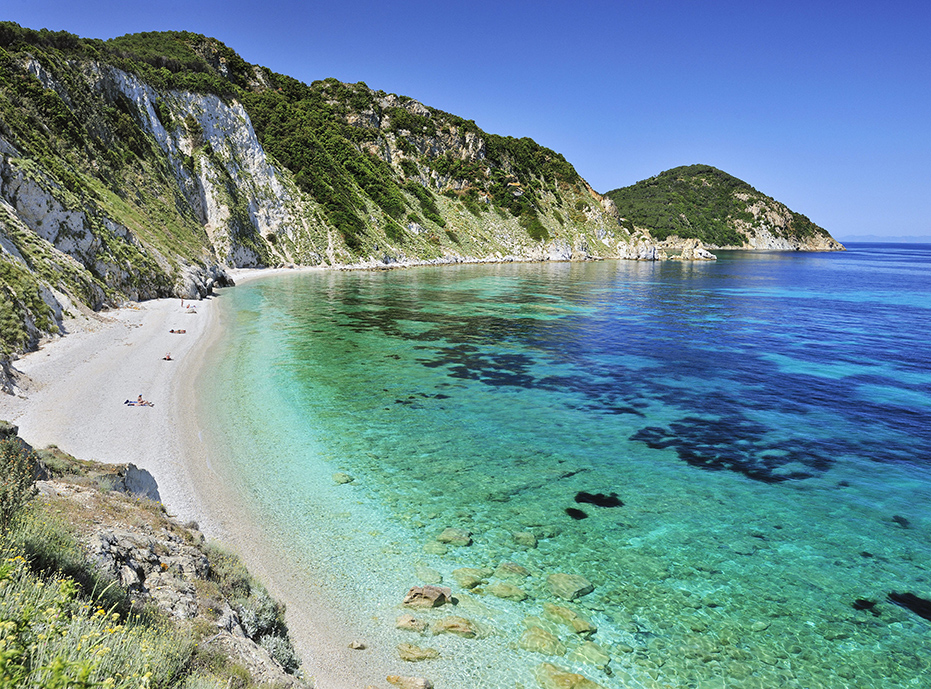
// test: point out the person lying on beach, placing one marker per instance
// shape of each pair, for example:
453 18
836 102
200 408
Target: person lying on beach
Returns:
178 332
139 402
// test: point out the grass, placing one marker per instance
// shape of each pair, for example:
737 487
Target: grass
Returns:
66 625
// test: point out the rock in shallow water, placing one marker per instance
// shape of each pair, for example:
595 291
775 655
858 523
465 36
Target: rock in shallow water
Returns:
538 640
552 677
460 626
511 570
507 592
568 586
470 577
410 623
427 596
459 537
409 682
525 539
415 654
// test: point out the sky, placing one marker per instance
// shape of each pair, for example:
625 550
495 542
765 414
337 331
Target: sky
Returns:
825 106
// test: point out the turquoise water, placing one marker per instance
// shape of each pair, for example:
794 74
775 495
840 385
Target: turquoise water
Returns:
764 419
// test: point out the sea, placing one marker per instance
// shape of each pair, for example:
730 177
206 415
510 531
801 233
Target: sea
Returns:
730 460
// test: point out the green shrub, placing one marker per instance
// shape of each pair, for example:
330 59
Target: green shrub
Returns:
50 638
17 481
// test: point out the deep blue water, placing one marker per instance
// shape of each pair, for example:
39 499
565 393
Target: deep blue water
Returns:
765 420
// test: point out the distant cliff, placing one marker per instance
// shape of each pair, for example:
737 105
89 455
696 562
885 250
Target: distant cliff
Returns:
704 204
144 166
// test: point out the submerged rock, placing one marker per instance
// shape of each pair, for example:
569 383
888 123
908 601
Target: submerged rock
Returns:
538 640
435 548
590 653
568 586
409 682
599 499
525 539
460 626
410 623
507 591
470 577
428 575
551 677
569 618
460 537
415 654
919 606
511 570
427 596
340 478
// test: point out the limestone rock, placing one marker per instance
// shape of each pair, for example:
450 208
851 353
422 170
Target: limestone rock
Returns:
410 623
568 586
357 645
340 478
428 575
409 682
511 570
469 577
525 539
460 626
507 591
435 548
570 618
590 653
460 537
538 640
415 654
551 677
427 596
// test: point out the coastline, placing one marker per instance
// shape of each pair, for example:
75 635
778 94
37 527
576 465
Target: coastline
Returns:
71 393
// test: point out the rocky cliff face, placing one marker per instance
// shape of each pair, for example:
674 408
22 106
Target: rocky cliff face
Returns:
125 174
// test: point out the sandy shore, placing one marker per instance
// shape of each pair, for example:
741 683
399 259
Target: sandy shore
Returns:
75 387
73 393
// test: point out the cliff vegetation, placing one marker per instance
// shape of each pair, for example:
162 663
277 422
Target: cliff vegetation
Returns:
145 165
703 203
99 588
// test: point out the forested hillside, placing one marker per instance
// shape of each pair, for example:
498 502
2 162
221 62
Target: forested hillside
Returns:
701 202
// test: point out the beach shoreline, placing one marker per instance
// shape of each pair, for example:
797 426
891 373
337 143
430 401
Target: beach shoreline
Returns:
73 392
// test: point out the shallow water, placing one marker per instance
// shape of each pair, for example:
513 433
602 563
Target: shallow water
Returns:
764 419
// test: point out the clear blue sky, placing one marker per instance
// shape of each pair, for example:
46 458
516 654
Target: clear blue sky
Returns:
825 106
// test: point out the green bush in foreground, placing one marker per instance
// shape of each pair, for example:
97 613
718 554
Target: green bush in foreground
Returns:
51 638
17 485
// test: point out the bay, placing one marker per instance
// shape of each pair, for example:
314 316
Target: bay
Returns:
734 453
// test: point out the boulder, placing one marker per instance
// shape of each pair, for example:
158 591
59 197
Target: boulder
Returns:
460 537
460 626
409 682
507 591
570 618
568 586
511 570
410 623
428 575
469 577
341 478
415 654
427 596
551 677
538 640
590 653
435 548
525 539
